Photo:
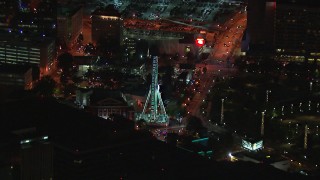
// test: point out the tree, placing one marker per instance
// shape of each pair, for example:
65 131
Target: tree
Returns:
121 121
80 38
45 86
190 57
141 124
89 49
195 125
204 70
65 61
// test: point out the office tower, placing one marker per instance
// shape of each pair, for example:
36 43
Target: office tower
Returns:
297 30
288 29
40 52
69 24
107 24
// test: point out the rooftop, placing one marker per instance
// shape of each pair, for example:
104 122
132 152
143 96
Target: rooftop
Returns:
313 3
136 154
16 69
107 11
68 11
261 156
14 39
72 128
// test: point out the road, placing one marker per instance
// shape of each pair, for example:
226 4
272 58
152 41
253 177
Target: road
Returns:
219 63
229 41
161 133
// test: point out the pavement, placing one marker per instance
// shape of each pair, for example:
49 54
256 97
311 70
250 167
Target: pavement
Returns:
218 65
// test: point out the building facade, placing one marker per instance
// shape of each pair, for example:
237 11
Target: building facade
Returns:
297 30
39 52
18 76
107 24
104 103
69 24
29 17
286 29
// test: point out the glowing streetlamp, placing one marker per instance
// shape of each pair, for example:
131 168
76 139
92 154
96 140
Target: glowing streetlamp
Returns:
267 95
306 130
300 109
309 105
262 123
222 111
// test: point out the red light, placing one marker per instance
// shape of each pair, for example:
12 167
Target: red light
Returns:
200 41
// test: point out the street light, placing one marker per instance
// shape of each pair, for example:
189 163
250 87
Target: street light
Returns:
222 109
309 105
267 95
262 123
300 109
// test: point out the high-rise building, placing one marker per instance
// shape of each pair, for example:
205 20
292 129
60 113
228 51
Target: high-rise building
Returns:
40 52
289 29
69 24
18 76
297 29
29 17
8 9
107 24
260 23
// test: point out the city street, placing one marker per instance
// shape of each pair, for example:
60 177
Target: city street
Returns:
217 64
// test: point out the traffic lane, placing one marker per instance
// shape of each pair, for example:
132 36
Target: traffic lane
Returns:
223 48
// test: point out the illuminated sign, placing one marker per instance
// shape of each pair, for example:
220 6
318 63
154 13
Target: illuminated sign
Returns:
200 41
252 146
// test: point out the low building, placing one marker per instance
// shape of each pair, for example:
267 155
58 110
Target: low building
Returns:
261 157
138 69
84 63
252 144
104 103
83 97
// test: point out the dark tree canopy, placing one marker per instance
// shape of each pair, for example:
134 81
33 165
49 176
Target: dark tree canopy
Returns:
195 125
65 61
45 86
80 38
89 49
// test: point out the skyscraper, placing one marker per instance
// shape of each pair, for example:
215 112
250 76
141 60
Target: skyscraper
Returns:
289 29
106 24
297 29
260 22
29 17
